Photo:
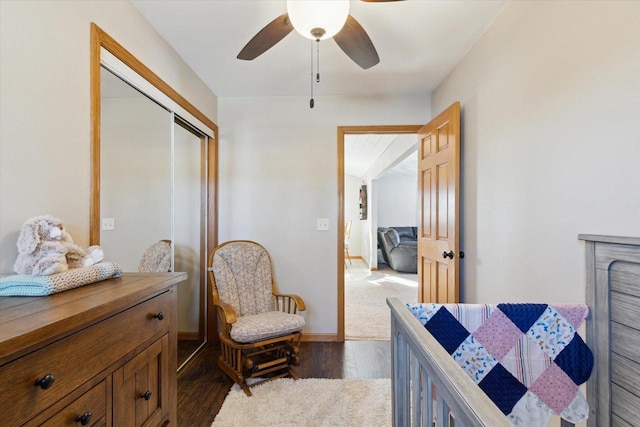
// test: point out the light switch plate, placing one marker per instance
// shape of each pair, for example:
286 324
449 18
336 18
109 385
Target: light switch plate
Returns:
323 224
108 224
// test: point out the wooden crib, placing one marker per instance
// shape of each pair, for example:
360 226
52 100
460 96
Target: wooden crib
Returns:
613 331
420 364
429 388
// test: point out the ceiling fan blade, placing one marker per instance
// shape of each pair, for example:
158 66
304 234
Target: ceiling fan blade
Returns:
354 41
267 37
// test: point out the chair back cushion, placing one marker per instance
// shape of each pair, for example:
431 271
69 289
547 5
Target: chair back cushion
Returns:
242 272
406 233
156 259
391 238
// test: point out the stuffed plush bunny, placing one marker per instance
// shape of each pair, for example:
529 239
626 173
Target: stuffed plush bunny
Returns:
45 247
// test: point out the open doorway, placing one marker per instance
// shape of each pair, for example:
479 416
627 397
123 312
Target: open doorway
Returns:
387 146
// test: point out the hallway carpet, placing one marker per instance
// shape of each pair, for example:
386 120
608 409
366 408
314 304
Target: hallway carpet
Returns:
367 315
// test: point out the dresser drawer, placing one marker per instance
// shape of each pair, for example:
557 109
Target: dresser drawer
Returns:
90 409
77 358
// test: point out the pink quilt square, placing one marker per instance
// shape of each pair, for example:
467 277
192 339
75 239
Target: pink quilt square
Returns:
574 313
498 334
555 388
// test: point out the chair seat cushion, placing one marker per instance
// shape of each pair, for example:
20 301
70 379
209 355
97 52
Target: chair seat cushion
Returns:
256 327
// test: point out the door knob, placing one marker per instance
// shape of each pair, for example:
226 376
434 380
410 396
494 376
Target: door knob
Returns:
446 255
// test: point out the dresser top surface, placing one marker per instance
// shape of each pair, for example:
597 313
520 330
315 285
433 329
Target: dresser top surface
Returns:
26 322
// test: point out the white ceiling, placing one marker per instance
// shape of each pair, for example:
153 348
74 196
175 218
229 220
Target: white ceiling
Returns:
407 168
362 151
418 41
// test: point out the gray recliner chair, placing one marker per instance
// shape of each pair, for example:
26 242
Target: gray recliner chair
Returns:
399 246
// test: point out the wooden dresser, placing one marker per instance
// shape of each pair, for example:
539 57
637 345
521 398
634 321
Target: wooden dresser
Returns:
100 355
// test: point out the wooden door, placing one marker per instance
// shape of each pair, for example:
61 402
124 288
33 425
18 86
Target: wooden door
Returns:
438 185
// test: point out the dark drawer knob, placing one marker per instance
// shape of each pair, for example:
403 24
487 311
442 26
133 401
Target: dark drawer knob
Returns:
146 395
46 381
84 418
159 316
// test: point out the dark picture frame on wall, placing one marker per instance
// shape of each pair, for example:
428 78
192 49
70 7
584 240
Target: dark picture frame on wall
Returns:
363 202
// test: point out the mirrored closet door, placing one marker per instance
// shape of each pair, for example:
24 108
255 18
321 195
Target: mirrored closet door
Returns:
151 191
135 172
188 231
153 181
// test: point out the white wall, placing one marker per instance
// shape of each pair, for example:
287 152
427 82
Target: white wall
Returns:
352 213
550 100
397 198
278 173
45 106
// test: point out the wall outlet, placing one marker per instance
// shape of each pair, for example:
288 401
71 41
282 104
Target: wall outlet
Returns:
108 224
323 224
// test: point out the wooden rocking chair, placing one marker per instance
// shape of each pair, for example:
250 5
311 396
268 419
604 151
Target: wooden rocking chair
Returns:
260 329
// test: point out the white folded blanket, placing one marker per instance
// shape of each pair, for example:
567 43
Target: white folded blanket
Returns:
27 285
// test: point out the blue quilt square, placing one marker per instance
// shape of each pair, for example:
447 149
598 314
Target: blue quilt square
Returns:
576 360
503 388
447 330
523 315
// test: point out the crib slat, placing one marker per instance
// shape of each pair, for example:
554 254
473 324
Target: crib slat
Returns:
400 377
427 402
441 419
416 390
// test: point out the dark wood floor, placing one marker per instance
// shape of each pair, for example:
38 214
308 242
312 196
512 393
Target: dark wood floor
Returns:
202 387
186 349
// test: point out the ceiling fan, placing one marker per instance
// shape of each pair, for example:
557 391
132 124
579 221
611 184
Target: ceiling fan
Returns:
307 18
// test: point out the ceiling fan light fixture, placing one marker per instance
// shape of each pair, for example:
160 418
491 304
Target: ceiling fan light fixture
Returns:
308 16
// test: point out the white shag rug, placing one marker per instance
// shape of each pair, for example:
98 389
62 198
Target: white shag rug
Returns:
367 315
312 402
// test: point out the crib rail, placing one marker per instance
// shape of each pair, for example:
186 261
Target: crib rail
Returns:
421 366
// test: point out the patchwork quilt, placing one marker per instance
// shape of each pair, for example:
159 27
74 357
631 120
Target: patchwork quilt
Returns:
528 358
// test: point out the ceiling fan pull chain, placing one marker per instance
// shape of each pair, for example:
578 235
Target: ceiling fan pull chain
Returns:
318 62
311 101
